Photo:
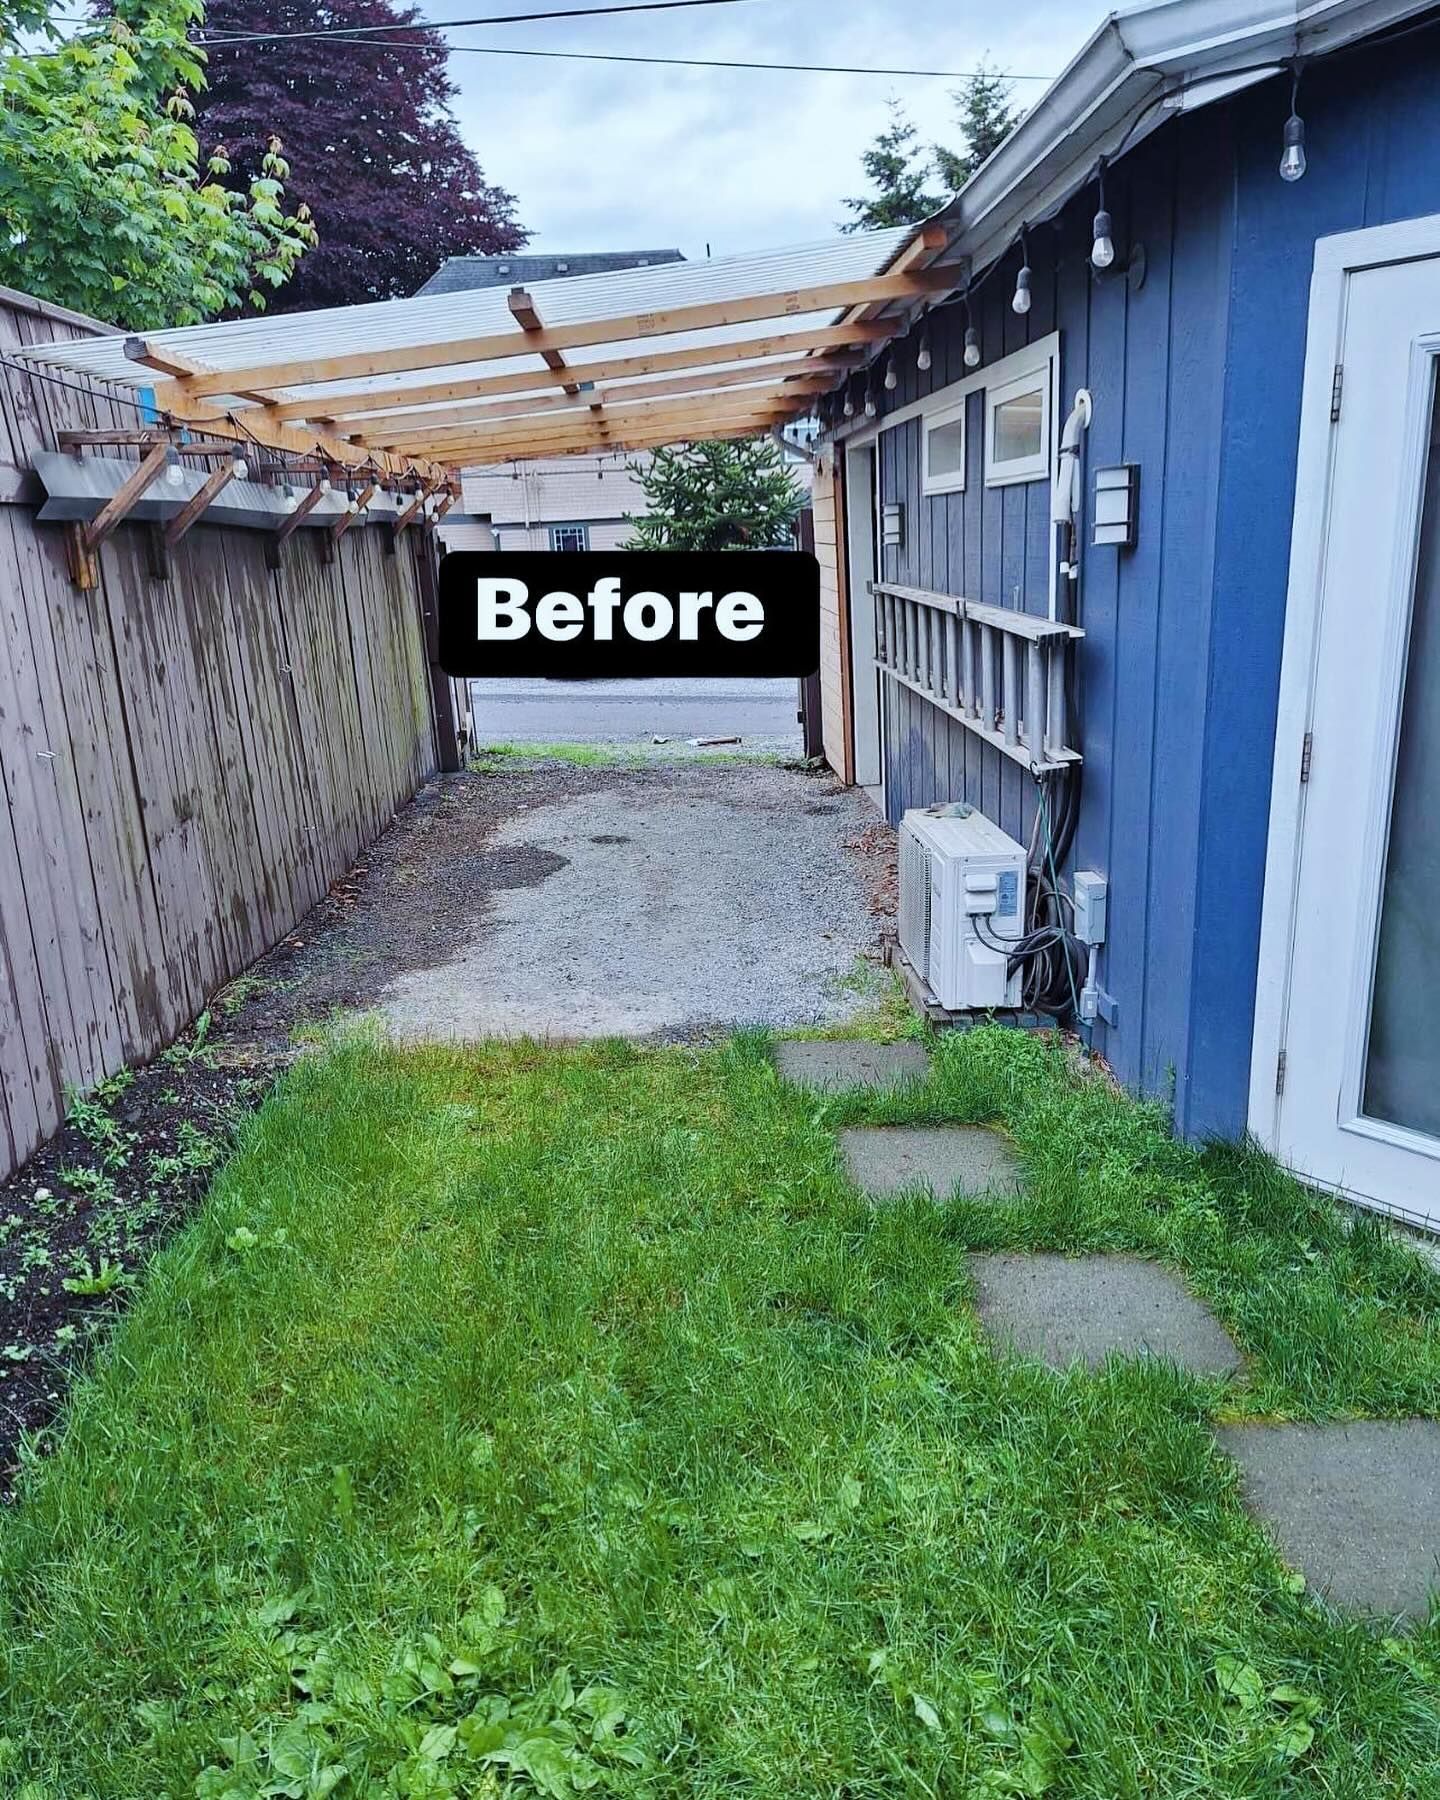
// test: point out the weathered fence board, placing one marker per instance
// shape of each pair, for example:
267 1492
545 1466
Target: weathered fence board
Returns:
186 763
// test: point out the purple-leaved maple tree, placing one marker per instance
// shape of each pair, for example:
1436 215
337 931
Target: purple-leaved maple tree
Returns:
367 128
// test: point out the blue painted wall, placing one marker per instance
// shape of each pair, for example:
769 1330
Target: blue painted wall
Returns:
1196 376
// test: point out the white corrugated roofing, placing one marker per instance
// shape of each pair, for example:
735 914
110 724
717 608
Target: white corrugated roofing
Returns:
439 318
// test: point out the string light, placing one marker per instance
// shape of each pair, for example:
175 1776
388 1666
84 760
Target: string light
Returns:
1020 302
288 498
1292 160
239 468
922 355
849 407
972 338
869 400
1102 248
892 380
174 469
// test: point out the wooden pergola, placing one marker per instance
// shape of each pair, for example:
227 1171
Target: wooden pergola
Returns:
615 362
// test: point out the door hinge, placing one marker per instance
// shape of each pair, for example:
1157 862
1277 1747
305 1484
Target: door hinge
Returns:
1306 748
1280 1073
1337 389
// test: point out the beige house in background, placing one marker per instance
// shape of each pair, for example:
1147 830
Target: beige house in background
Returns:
556 503
559 503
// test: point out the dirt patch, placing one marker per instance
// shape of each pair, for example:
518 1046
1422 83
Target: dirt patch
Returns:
80 1219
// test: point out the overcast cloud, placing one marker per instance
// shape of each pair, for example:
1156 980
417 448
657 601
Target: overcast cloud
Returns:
609 156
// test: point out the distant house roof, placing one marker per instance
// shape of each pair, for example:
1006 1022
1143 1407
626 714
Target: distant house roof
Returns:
457 273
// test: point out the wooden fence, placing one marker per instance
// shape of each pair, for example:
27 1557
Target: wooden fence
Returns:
187 763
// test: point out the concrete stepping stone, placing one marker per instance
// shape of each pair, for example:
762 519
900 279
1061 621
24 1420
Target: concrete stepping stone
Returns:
847 1063
1064 1309
1354 1506
884 1159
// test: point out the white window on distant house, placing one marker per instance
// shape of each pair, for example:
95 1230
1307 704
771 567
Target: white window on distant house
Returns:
569 537
944 449
1017 428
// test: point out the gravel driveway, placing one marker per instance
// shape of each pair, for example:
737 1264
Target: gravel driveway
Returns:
665 900
659 902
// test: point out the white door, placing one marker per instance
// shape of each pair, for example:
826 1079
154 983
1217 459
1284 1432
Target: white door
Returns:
861 569
1346 1082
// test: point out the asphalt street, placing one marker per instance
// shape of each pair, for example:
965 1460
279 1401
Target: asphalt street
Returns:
761 713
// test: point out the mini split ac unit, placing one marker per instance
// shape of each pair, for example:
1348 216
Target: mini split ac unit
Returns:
962 897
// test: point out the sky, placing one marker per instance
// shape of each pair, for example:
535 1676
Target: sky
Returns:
611 156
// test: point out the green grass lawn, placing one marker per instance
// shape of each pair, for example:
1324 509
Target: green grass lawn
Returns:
538 1420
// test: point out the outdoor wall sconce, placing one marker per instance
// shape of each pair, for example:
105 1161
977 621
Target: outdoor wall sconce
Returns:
1117 505
892 524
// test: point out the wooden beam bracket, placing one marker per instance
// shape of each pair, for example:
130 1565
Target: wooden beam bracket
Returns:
303 509
191 511
123 501
348 518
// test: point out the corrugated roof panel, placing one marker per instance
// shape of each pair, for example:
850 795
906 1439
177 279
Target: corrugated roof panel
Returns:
435 319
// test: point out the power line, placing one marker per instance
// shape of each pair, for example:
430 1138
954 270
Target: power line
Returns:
358 35
363 31
340 36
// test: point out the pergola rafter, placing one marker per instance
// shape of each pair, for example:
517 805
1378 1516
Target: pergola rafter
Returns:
338 409
429 385
620 402
619 435
745 309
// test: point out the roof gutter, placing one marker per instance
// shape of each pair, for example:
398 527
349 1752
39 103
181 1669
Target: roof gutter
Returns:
1139 69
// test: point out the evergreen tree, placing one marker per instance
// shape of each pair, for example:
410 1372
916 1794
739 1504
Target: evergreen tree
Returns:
730 494
899 170
986 120
370 137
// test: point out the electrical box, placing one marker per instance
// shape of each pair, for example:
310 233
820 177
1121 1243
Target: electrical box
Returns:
1091 896
962 900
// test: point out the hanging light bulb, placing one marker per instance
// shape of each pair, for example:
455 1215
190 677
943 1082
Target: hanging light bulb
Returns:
1102 247
239 468
892 380
869 400
174 468
1020 302
288 498
1292 160
849 407
922 355
324 484
352 499
972 338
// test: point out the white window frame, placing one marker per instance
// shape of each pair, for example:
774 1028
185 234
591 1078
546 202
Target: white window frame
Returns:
1020 370
1015 469
579 526
954 413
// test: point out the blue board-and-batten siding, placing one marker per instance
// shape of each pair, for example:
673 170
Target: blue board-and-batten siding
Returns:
1153 360
1197 378
1372 121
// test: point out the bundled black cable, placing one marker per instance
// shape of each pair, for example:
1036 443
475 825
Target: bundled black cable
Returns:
1053 960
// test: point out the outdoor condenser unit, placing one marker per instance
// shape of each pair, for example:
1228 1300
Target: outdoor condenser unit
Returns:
962 894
